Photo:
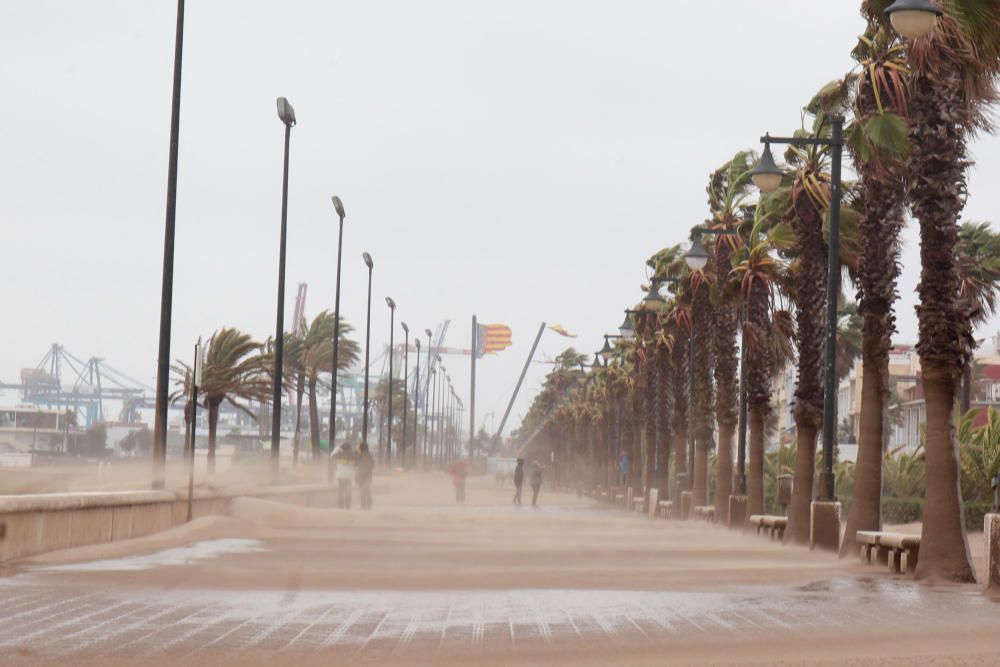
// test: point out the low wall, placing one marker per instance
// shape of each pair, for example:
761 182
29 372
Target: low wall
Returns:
34 524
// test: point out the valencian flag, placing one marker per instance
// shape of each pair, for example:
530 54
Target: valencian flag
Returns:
492 338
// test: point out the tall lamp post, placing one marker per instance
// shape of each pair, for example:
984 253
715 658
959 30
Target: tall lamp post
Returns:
287 115
416 402
338 206
368 340
167 286
767 176
406 397
427 393
392 325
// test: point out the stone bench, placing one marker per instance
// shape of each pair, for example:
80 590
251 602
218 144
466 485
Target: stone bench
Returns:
704 512
665 508
639 504
889 549
770 524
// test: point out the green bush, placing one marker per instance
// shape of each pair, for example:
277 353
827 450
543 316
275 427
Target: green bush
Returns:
902 510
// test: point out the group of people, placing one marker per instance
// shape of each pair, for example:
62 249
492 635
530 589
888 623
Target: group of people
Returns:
356 467
535 480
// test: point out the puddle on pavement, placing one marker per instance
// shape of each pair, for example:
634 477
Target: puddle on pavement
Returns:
174 556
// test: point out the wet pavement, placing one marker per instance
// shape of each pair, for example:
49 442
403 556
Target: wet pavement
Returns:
43 615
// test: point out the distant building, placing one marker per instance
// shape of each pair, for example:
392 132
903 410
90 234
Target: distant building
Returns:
25 428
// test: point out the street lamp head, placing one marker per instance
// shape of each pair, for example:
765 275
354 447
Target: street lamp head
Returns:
696 256
766 175
597 361
389 302
428 332
368 260
913 18
653 299
417 340
606 351
338 206
406 329
627 329
285 111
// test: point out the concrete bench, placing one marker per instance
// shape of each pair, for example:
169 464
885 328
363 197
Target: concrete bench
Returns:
704 512
889 549
665 508
639 504
770 524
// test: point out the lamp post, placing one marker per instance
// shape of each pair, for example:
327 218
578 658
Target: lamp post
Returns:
767 177
416 402
406 396
368 340
167 285
427 394
913 18
338 206
627 329
287 115
199 365
392 325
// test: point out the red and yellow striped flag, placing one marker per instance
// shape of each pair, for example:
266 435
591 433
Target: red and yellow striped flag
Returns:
493 338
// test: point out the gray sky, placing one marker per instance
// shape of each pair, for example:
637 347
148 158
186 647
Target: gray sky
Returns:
516 159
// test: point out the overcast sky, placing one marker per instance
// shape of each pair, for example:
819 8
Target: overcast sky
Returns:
518 160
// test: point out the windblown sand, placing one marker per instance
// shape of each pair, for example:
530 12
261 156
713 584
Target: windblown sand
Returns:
422 580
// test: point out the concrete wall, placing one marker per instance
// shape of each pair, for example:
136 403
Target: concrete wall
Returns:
34 524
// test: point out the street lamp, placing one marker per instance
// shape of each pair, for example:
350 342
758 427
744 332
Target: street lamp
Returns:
167 281
416 403
406 395
836 143
766 174
427 392
627 329
653 299
913 18
368 340
287 115
392 325
338 206
597 362
607 350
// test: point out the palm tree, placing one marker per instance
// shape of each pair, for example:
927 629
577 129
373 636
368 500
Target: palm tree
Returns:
978 255
877 141
704 391
979 455
953 82
767 335
234 373
317 359
728 188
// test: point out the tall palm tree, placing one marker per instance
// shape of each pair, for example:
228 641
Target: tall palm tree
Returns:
317 357
877 142
978 255
953 82
767 335
728 188
234 373
704 391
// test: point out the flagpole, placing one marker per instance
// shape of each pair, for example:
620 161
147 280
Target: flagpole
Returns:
472 391
524 371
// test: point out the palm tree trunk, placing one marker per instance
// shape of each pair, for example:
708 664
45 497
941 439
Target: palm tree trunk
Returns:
704 394
937 162
809 291
755 460
724 473
213 424
944 546
313 418
299 391
866 502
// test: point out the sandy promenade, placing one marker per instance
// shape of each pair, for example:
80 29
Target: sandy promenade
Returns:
423 581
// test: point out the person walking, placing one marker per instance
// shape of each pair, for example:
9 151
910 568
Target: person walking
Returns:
518 480
536 482
458 471
363 475
344 474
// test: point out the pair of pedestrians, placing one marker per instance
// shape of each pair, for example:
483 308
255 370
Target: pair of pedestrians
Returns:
357 468
535 480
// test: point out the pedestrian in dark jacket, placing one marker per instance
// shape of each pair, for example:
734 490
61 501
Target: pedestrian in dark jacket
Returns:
518 481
